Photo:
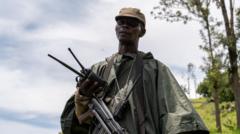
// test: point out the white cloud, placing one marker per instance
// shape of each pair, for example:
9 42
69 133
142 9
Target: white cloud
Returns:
20 92
8 127
64 31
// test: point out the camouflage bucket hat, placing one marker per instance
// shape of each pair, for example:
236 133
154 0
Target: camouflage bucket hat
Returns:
132 13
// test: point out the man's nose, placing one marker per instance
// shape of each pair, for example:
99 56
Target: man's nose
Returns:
125 25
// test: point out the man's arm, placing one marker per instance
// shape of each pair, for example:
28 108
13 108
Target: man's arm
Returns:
69 121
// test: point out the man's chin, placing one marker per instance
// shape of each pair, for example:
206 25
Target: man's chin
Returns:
125 41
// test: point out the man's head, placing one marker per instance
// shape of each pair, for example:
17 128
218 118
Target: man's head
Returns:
131 13
130 25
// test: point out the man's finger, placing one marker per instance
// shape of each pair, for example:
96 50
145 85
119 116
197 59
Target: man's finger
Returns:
98 90
93 87
84 84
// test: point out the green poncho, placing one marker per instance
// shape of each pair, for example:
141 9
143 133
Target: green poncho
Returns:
167 109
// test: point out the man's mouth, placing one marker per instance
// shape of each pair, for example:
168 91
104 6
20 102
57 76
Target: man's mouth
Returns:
123 32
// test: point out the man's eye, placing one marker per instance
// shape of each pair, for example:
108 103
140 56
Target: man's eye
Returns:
120 22
132 24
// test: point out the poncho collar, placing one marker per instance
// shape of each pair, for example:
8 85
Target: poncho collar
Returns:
147 55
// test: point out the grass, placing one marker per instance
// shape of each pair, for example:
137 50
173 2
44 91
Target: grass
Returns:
228 116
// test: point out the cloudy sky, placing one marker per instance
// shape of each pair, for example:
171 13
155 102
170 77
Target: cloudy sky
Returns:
34 88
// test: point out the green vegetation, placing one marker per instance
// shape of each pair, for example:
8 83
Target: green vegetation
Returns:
228 116
220 36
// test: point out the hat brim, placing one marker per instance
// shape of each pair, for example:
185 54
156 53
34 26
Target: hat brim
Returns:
129 16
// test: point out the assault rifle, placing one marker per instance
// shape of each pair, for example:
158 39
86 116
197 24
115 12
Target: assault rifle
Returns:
96 106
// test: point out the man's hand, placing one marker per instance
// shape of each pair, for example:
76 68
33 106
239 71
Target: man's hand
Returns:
83 94
81 103
88 87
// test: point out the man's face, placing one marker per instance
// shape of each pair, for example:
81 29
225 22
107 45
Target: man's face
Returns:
128 30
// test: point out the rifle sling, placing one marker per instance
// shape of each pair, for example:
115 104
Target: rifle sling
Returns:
138 94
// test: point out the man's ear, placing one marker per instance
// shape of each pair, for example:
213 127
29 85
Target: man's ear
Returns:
143 31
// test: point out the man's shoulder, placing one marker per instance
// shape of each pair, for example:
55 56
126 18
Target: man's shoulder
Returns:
98 65
102 63
149 59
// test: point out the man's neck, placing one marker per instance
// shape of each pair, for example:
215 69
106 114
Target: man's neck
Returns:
127 48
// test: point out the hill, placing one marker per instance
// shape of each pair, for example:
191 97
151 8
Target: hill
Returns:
228 115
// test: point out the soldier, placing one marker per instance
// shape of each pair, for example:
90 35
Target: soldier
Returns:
155 103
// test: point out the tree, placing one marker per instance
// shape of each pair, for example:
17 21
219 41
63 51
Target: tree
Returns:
213 61
225 94
199 10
